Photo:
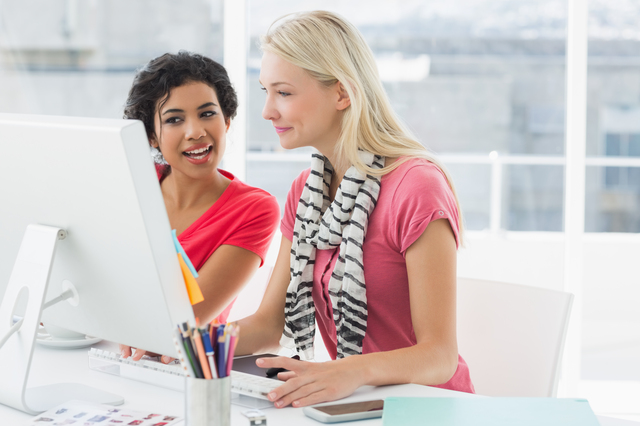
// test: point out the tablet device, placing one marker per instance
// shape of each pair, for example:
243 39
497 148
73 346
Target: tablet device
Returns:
247 364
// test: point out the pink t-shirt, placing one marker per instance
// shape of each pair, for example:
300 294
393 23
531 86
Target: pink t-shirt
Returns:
410 198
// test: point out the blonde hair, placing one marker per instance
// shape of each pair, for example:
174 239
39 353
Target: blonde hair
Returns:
332 50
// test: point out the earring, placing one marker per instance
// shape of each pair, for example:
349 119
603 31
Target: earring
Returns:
158 158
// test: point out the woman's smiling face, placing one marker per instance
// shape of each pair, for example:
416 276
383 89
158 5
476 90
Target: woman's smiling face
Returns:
191 130
303 111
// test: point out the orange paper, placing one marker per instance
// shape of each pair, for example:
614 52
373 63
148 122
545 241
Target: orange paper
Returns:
193 289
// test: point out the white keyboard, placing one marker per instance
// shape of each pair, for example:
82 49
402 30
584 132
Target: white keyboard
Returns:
146 370
170 375
252 385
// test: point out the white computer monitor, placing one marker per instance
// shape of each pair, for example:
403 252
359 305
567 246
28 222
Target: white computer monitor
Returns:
94 179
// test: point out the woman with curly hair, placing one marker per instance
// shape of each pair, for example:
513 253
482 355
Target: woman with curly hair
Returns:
186 102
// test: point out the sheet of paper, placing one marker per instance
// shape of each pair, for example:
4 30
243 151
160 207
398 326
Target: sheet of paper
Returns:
193 289
82 413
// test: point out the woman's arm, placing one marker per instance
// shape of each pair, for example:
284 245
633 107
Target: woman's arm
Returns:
260 332
222 277
431 267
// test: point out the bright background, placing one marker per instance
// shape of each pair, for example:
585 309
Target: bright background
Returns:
549 183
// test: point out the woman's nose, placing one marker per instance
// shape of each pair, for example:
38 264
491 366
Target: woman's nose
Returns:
195 130
269 112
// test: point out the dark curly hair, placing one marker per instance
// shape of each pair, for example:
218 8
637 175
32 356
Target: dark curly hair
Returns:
152 85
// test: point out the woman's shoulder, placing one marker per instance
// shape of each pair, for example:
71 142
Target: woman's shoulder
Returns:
417 185
253 192
298 183
416 173
256 197
416 193
301 179
162 170
248 194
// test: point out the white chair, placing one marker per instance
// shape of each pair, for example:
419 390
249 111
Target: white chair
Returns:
250 296
512 336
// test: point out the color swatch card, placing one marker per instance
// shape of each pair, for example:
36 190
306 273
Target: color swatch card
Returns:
82 413
489 411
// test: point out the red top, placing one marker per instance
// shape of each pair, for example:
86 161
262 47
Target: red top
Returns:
410 198
243 216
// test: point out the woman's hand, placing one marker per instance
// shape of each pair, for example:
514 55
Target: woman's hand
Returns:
309 383
126 351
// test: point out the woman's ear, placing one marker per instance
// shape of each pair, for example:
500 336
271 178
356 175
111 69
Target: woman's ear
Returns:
228 123
343 97
154 142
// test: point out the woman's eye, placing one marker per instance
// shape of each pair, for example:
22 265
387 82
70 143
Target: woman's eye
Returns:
209 113
172 120
283 94
264 89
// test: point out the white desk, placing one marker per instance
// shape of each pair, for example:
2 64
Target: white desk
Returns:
53 366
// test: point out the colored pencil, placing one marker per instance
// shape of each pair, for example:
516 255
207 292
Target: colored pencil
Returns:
186 333
233 342
220 351
208 349
204 365
178 341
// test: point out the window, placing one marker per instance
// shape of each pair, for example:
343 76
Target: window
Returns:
610 318
466 83
79 57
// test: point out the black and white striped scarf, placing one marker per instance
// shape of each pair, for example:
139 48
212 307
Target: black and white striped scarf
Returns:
321 224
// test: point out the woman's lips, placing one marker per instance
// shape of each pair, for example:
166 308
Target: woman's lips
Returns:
282 129
198 156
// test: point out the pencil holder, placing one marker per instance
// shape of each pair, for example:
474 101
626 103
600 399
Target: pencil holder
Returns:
207 402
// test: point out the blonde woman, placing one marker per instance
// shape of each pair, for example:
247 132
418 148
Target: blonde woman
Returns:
370 231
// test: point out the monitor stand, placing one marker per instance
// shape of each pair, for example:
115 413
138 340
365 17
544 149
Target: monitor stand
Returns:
29 279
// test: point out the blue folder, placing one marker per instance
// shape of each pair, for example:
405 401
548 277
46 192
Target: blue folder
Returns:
489 411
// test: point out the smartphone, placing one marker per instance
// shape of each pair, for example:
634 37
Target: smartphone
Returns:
335 413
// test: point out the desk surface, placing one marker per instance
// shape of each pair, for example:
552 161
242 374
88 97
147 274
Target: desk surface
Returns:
53 366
